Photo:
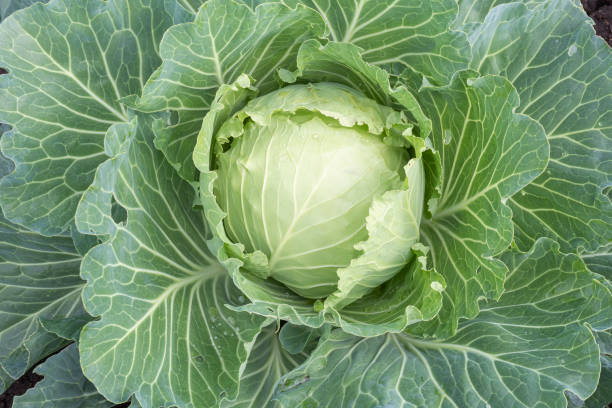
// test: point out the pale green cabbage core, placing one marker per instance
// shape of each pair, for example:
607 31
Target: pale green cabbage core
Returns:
299 188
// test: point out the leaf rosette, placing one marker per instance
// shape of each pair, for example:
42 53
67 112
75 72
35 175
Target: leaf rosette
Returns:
412 188
315 192
341 194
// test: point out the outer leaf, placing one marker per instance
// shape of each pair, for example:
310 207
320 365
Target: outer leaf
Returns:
296 339
164 333
226 39
475 11
68 328
10 6
600 261
604 339
267 363
95 213
64 385
488 153
135 404
342 63
191 6
545 280
70 62
39 278
82 242
603 395
562 72
6 165
523 351
196 62
413 35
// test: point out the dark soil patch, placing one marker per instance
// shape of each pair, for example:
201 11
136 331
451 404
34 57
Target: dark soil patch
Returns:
19 387
23 384
601 12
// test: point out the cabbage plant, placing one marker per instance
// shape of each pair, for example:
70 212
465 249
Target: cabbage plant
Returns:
306 203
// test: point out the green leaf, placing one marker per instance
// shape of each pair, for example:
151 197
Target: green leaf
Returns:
397 214
196 62
604 339
94 214
164 333
64 385
191 6
69 63
39 279
403 33
523 351
488 153
342 63
562 73
226 39
267 363
296 339
8 7
135 404
600 261
68 328
603 395
547 280
6 165
82 242
475 11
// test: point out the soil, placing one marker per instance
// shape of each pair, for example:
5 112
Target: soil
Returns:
19 387
27 381
599 10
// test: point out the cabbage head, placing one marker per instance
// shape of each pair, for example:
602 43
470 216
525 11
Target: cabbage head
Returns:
300 170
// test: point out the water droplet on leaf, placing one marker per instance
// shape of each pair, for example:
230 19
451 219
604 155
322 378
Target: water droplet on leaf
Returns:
213 314
437 286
